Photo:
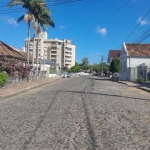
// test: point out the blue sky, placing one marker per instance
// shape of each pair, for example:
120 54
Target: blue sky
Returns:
94 26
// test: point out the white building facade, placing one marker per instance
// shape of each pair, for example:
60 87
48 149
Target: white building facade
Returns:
60 51
133 57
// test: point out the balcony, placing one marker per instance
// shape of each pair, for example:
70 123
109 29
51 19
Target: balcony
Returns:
53 52
68 54
53 48
68 57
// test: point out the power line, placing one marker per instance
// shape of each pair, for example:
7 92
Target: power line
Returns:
135 28
50 3
137 25
103 20
129 14
143 37
19 9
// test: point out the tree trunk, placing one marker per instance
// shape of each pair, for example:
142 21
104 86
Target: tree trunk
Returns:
37 54
28 43
33 50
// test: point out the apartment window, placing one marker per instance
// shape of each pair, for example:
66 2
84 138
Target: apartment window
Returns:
67 57
53 55
54 43
68 53
54 47
53 52
67 60
68 48
53 60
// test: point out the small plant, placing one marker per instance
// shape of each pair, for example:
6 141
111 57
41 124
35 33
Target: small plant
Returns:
148 79
3 78
139 80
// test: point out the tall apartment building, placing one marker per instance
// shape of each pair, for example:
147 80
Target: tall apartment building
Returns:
60 51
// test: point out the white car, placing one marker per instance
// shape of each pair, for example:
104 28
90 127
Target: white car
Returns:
65 75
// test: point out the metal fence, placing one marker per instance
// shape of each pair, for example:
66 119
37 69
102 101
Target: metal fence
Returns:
32 77
140 72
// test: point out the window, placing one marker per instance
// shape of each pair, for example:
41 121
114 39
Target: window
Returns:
53 60
54 47
67 60
54 43
53 56
53 52
68 48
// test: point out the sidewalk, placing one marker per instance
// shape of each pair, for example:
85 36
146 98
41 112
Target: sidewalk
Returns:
25 86
142 86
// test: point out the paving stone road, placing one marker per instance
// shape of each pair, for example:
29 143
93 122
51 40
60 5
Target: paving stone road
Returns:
79 113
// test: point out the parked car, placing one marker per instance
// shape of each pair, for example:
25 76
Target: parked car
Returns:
65 75
72 74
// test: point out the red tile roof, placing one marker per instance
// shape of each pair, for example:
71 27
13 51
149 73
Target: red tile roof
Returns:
138 49
10 52
114 53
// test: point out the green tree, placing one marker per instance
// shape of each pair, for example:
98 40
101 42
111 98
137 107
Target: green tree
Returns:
75 69
85 61
65 68
115 65
3 78
96 68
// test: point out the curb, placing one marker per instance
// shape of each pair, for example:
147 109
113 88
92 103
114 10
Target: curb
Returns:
136 86
144 89
28 88
122 83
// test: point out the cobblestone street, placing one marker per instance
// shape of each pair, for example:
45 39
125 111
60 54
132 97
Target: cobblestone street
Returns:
78 113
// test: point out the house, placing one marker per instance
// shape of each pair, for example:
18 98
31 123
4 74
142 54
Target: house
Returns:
113 54
10 53
134 61
14 53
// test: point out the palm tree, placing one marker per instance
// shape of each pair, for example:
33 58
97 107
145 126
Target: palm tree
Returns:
41 20
40 12
28 17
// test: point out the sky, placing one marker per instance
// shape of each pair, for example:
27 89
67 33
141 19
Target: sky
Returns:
94 26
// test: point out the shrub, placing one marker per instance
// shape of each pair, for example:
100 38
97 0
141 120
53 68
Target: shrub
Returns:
11 66
139 80
3 78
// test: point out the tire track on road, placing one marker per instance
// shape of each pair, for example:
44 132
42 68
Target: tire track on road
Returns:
40 121
89 127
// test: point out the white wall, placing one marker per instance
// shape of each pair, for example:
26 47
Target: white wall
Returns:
123 63
134 62
127 61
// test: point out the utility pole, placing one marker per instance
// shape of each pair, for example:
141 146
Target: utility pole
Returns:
102 66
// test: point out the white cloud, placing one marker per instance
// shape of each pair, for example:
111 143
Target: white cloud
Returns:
95 54
62 27
102 31
142 22
11 21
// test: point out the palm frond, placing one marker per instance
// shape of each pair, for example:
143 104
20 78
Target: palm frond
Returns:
15 3
20 18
